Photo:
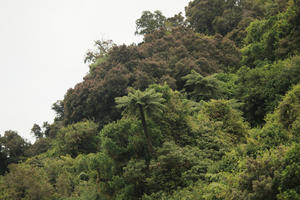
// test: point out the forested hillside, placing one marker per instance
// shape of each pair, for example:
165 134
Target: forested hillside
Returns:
206 107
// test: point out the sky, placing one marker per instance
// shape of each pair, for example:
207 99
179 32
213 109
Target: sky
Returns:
42 48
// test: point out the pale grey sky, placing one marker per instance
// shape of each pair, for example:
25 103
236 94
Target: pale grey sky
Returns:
42 46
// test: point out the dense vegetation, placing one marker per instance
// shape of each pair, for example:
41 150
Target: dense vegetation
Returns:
207 107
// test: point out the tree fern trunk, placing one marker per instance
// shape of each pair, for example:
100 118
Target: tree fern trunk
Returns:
148 138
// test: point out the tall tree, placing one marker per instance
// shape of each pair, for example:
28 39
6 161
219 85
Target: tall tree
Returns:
58 107
14 146
142 104
201 14
149 22
37 131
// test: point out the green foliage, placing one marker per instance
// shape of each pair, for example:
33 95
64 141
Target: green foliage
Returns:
239 32
228 84
260 89
275 132
134 179
265 39
58 107
24 183
40 146
288 109
40 132
203 88
231 119
149 100
181 134
102 49
147 104
79 138
231 18
176 167
258 179
37 131
176 123
149 22
122 140
202 13
175 21
13 149
290 177
261 178
270 136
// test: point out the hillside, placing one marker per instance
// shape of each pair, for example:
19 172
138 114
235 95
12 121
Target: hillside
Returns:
206 107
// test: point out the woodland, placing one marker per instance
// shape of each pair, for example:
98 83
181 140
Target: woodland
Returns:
206 107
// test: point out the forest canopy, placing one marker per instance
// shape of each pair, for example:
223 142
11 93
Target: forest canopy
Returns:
206 107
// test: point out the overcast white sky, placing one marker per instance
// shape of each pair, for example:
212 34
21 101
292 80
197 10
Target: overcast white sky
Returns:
42 46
